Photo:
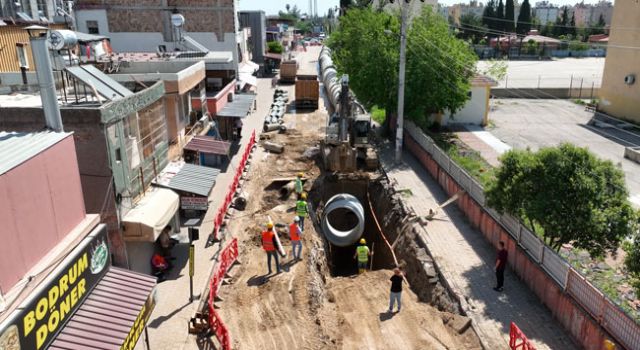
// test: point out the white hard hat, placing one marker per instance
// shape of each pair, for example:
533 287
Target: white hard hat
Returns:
296 219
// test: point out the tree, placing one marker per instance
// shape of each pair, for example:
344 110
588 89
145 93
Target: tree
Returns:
572 26
601 23
509 14
287 7
499 23
566 195
488 15
524 18
471 28
562 22
275 47
438 66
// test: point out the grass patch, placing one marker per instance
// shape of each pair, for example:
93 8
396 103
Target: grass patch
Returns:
378 114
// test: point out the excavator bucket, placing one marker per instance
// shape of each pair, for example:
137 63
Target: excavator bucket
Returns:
341 158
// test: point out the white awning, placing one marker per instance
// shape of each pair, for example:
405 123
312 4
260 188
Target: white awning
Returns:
248 67
150 216
247 78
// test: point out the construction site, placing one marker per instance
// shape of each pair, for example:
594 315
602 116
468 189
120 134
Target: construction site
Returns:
320 301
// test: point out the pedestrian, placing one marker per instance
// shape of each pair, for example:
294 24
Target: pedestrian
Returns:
362 254
302 209
274 82
396 290
269 246
298 184
501 264
238 125
159 266
294 234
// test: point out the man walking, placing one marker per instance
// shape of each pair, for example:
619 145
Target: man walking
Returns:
302 209
298 185
396 290
294 234
501 264
362 254
269 246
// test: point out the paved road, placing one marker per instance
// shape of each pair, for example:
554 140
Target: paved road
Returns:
556 73
168 323
467 258
523 123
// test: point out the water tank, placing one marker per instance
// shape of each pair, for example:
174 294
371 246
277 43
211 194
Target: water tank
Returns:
61 39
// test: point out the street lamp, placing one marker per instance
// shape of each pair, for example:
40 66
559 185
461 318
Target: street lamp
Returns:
44 72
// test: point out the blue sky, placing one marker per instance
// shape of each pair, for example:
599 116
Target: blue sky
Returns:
271 7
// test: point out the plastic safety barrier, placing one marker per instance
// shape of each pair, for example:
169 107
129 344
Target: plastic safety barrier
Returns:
227 257
517 339
219 219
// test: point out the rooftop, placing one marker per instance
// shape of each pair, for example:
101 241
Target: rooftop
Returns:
18 147
207 57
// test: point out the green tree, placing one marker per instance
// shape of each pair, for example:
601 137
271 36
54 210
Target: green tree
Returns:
488 15
437 69
499 23
275 47
524 18
572 26
509 14
565 194
471 28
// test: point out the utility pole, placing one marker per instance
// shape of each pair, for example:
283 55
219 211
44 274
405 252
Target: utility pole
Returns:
403 46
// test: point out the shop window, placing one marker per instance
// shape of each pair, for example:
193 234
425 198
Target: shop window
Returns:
92 27
21 49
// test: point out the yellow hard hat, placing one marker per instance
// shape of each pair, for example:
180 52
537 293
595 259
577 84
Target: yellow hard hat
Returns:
303 196
363 241
269 225
300 174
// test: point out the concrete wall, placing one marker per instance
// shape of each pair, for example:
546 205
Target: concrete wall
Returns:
547 93
41 203
576 321
620 99
474 110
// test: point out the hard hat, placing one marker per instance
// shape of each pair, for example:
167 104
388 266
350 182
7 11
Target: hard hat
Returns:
303 196
296 219
363 241
300 174
269 225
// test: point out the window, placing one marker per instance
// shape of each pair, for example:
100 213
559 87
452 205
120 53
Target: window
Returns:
21 50
92 27
42 9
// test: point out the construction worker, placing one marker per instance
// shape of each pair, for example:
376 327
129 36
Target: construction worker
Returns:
362 254
302 209
269 246
294 235
299 188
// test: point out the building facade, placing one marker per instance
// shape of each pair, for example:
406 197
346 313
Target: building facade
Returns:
145 26
620 91
255 20
545 12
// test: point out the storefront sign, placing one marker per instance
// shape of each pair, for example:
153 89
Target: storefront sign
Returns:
44 313
194 203
141 322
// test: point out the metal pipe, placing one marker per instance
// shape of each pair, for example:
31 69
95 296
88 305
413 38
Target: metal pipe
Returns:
46 82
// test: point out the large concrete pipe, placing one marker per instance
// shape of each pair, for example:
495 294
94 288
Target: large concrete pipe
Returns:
337 237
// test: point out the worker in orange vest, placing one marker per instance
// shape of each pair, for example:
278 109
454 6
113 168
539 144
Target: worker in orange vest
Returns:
269 246
294 235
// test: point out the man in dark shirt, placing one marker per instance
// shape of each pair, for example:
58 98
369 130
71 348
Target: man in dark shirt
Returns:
396 289
501 264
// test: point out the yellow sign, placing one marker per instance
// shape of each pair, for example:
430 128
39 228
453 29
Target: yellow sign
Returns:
191 260
138 326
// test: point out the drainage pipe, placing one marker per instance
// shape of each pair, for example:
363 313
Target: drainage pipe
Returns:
337 237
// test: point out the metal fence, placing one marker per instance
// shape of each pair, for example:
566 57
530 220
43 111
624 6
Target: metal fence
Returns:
611 317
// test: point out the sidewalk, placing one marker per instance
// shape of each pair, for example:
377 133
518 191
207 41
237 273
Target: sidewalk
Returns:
463 253
167 326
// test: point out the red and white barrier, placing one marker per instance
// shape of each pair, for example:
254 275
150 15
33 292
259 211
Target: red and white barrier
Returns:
228 256
517 339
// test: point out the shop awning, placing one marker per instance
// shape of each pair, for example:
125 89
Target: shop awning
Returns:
247 78
208 144
248 67
189 178
112 316
239 107
150 216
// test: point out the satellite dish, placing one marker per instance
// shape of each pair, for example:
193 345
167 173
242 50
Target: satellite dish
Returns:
177 20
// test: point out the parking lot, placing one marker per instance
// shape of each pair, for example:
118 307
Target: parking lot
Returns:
523 123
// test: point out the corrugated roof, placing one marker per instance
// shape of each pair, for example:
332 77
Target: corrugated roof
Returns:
18 147
208 144
239 108
194 179
108 313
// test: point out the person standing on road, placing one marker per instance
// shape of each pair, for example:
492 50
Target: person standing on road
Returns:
302 209
238 125
501 264
269 246
298 185
362 254
396 290
294 234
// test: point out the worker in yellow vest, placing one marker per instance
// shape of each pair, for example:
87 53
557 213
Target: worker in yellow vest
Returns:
298 184
362 254
302 210
269 246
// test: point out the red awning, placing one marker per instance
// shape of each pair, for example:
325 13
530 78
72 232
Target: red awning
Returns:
121 301
208 144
